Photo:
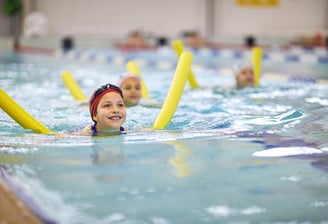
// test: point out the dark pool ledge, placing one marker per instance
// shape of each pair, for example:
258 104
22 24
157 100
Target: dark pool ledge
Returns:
15 206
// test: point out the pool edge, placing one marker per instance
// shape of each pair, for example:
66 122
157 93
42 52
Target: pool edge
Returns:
16 207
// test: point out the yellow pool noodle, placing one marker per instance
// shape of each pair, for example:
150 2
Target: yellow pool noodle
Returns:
73 86
257 61
175 92
22 117
132 67
177 45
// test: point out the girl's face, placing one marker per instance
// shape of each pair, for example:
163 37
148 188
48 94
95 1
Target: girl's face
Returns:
110 113
245 77
131 88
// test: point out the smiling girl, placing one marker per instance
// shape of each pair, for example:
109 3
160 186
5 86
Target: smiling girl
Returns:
107 110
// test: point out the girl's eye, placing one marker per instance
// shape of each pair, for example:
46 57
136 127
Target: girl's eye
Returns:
107 105
120 105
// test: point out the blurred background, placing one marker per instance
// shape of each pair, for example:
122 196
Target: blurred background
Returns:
103 24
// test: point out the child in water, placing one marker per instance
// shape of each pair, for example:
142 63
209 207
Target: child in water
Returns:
131 87
107 110
244 74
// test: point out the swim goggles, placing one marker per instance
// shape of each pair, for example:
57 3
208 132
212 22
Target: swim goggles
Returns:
105 87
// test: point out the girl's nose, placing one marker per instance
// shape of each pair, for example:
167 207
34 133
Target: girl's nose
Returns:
115 109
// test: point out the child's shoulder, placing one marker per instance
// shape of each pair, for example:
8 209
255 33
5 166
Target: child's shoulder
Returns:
86 130
123 130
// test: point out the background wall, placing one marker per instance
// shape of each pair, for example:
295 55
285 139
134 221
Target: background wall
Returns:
116 18
212 18
291 17
170 17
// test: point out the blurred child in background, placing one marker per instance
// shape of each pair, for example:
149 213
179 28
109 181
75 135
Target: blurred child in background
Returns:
244 74
131 87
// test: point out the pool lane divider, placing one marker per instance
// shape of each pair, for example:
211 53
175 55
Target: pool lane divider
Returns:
257 62
133 68
175 92
178 47
22 117
73 86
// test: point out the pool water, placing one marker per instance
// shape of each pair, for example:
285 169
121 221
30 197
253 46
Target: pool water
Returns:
256 155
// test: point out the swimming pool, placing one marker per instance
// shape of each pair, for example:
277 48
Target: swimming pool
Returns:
256 155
